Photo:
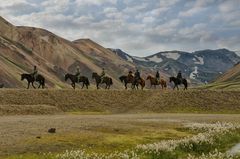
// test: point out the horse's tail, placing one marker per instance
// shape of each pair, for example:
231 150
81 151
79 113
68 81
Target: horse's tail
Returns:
87 82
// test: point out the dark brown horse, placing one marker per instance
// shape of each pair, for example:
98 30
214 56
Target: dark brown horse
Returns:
154 82
99 80
138 82
126 79
74 79
177 82
30 79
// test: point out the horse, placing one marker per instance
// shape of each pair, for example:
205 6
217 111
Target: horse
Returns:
177 82
126 79
137 82
107 80
155 82
30 79
74 79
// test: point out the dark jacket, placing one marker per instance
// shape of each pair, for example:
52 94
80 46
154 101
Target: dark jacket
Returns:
179 76
137 75
157 75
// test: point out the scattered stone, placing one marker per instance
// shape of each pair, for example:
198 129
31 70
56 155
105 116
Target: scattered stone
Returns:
52 130
38 137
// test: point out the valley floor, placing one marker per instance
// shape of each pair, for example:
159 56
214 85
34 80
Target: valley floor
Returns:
27 135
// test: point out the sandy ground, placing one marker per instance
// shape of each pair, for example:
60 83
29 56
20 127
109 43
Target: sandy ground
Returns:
18 134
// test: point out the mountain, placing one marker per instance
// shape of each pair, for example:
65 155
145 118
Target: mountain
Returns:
228 81
199 67
23 47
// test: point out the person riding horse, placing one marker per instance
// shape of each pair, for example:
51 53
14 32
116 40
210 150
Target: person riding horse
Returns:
137 76
78 73
179 76
34 73
130 75
157 77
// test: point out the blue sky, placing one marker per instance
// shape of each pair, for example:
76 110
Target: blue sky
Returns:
139 27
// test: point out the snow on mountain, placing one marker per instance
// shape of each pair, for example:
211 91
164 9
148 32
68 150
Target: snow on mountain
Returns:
194 74
140 59
156 59
198 60
129 58
171 55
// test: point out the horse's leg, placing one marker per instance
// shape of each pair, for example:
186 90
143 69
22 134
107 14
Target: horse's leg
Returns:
97 85
74 85
33 85
125 85
39 85
28 85
177 87
83 85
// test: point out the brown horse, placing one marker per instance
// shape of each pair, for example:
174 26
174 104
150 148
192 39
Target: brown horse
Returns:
154 82
107 80
126 79
138 82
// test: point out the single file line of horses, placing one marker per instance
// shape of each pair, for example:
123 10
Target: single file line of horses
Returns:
135 80
135 83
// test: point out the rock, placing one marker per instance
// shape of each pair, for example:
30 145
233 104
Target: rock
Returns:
52 130
38 137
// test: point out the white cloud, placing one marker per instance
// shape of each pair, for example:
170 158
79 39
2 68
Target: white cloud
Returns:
141 27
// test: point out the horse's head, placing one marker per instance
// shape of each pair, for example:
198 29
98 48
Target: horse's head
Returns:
172 79
121 78
23 77
94 75
149 77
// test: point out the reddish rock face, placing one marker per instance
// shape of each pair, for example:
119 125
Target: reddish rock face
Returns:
23 47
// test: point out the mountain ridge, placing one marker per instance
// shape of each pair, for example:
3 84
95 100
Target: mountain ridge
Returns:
199 66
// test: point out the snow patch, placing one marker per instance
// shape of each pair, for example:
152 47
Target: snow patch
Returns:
194 74
171 55
129 58
44 38
155 59
140 59
198 60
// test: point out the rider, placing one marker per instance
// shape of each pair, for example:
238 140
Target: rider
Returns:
137 76
103 74
77 74
179 75
157 76
130 74
35 72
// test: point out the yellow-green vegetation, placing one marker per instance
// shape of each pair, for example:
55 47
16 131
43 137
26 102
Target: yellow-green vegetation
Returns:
104 137
229 85
121 101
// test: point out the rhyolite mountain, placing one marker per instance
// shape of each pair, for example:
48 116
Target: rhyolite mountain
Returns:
200 66
23 47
